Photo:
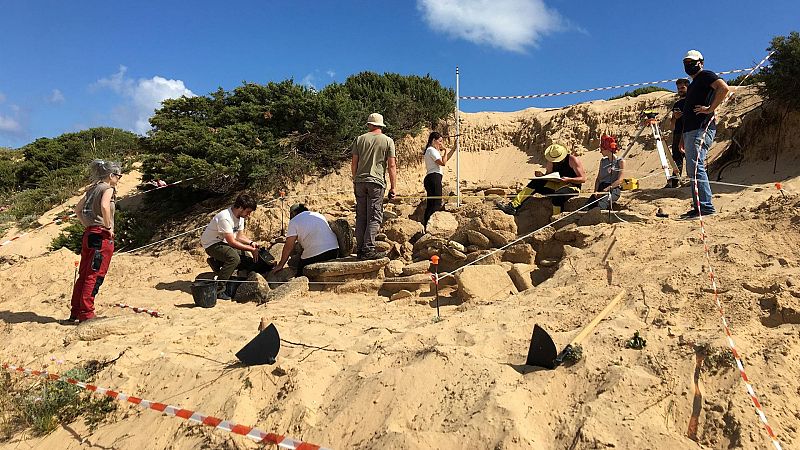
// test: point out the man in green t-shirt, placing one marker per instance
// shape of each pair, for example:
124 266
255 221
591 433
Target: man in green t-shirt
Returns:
373 155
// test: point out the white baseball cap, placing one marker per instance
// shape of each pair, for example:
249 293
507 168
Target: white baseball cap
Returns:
694 55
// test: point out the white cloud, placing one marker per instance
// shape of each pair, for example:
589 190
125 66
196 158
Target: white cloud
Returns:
56 97
331 73
142 97
508 24
9 125
308 81
2 97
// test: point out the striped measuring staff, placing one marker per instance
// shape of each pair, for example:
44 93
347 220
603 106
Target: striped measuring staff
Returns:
255 434
583 91
749 387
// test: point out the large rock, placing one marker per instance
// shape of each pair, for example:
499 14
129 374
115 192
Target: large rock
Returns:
521 276
291 290
484 257
344 235
442 224
276 251
417 268
409 283
255 290
394 268
498 221
342 267
276 279
402 230
383 246
92 330
481 282
478 239
497 238
520 252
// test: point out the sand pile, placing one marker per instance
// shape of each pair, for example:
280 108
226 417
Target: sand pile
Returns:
360 370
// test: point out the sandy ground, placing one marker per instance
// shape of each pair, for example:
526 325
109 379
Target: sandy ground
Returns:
364 372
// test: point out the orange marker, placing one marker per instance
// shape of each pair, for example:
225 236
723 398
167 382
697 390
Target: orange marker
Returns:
778 186
435 260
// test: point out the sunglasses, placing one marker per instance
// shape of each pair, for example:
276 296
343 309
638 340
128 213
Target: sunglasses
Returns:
118 175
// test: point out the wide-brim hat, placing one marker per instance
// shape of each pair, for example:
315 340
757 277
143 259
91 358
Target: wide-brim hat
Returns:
376 119
555 153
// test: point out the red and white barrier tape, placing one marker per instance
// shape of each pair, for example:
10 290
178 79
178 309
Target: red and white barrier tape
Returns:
749 387
57 221
582 91
139 310
255 434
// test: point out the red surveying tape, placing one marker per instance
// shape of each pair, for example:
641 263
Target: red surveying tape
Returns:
255 434
139 310
750 391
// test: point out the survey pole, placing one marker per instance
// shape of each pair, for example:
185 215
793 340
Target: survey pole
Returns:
458 153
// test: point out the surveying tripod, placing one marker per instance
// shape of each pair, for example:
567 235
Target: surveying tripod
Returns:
666 158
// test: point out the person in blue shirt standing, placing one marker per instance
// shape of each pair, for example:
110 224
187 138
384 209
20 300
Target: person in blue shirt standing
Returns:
706 92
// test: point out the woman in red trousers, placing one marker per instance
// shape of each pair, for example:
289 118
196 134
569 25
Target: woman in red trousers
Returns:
96 213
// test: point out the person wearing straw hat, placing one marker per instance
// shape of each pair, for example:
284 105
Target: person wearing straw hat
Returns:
96 212
706 92
227 245
566 185
311 230
373 155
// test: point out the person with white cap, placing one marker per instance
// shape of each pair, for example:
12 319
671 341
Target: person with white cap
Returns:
567 185
96 212
706 92
373 155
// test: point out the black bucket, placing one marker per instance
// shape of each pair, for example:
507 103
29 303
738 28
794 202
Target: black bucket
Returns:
204 291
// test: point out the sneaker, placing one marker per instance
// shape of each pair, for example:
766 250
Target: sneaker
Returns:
69 321
223 296
507 208
690 215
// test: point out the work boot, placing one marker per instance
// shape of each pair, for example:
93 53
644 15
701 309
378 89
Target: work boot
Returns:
507 208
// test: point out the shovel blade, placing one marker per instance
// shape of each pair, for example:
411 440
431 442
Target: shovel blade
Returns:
542 351
262 349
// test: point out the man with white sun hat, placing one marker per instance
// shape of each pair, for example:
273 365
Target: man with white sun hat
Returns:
706 92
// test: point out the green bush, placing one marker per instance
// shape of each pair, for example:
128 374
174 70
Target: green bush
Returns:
268 134
781 77
70 237
48 171
640 91
45 404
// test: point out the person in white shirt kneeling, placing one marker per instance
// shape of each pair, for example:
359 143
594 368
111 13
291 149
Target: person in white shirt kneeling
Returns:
312 231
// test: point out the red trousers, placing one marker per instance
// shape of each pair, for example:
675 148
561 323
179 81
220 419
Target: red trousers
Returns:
96 254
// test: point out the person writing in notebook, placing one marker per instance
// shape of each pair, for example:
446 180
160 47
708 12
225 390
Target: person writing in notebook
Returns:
571 175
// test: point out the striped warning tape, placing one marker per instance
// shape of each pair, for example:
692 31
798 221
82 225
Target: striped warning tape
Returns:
139 310
582 91
56 221
711 274
191 416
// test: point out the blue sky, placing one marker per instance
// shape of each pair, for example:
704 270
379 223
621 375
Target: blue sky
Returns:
66 66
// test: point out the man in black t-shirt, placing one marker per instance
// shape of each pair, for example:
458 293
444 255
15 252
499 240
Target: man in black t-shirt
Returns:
706 92
676 123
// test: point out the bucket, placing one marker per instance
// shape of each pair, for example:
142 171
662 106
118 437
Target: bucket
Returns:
204 291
